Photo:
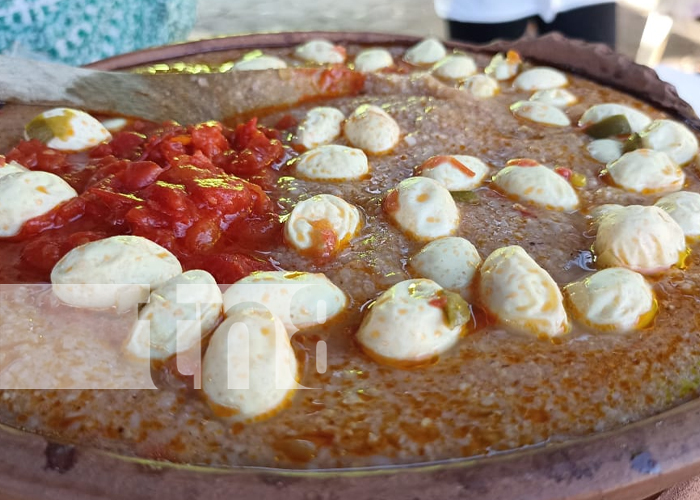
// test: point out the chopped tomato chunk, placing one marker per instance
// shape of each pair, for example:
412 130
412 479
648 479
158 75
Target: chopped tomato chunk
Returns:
341 80
190 189
286 122
566 173
522 162
35 155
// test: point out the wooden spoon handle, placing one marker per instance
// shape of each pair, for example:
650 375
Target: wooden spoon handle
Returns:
181 97
38 83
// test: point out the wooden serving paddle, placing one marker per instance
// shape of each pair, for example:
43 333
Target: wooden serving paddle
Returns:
185 98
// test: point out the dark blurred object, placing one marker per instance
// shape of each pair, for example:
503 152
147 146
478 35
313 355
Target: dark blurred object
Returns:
594 23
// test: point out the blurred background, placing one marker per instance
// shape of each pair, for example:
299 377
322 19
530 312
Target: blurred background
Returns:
418 17
664 34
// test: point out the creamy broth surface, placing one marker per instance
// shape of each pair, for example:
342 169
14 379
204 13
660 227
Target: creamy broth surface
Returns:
494 391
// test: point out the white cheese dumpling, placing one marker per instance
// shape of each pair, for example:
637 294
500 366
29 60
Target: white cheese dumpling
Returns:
684 208
322 125
540 79
560 98
535 183
481 86
428 51
320 52
114 124
422 208
450 262
299 300
370 60
332 163
504 67
614 299
605 150
672 138
455 67
25 194
11 168
119 271
249 371
598 212
643 239
178 315
646 171
372 129
67 129
637 120
521 295
454 172
322 225
540 112
260 62
412 322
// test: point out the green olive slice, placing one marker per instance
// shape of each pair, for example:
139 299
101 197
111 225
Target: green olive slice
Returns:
607 127
633 142
456 309
465 196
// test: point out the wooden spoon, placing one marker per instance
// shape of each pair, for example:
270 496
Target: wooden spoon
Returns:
185 98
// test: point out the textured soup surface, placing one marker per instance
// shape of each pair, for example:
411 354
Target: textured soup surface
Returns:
494 391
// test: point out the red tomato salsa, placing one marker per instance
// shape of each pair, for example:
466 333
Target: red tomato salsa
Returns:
199 191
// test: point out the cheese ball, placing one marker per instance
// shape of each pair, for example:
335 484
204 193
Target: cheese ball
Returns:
422 208
322 225
643 239
454 172
332 163
119 271
371 129
521 295
646 171
637 120
412 323
299 300
540 79
259 63
320 52
598 212
504 67
605 150
249 370
67 129
536 184
11 168
370 60
428 51
178 315
114 124
540 112
614 299
560 98
455 67
672 138
26 194
481 86
450 262
684 208
322 125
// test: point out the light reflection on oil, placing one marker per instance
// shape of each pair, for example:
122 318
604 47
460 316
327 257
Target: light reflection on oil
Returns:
189 68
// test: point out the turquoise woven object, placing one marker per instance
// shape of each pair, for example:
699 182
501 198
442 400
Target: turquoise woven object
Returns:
82 31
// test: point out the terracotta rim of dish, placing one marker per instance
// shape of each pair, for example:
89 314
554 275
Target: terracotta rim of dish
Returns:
632 462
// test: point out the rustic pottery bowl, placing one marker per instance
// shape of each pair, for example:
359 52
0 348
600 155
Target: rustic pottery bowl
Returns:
631 463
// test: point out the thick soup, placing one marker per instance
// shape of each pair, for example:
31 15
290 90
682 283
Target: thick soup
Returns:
539 315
